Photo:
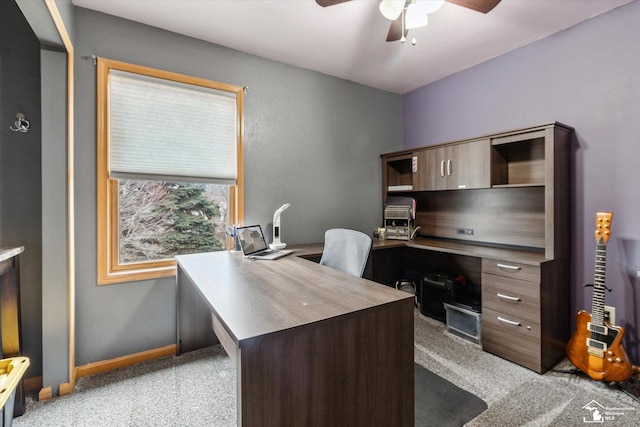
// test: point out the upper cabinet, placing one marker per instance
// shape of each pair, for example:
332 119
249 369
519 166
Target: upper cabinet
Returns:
452 167
455 167
509 188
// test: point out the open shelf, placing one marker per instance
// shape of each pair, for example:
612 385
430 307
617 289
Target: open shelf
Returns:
517 163
399 173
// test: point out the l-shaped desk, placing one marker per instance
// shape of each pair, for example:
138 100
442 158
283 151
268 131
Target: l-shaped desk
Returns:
525 296
312 346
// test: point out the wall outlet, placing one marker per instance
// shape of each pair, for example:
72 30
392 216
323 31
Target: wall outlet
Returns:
465 231
610 314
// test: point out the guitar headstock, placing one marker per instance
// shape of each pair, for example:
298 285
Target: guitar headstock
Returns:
603 227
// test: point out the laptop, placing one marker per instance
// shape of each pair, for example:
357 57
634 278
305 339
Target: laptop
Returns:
254 245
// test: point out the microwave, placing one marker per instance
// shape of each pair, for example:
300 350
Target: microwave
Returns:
398 222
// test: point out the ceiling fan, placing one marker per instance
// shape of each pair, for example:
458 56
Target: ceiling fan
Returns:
399 12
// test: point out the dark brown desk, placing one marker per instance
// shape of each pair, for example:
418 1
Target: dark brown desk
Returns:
312 345
10 315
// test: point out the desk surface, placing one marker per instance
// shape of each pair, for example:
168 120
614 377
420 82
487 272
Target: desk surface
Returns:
258 297
312 345
458 247
522 255
7 253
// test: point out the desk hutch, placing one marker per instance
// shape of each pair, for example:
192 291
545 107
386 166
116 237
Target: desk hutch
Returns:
496 208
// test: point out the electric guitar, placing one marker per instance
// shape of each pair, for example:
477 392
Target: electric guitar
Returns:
596 346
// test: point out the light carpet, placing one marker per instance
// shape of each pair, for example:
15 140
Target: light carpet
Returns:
149 394
518 396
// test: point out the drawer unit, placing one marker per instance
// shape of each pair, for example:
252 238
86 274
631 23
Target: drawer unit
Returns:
511 307
513 270
512 338
511 296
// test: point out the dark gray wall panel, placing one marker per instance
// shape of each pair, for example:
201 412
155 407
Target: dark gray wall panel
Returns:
310 139
20 160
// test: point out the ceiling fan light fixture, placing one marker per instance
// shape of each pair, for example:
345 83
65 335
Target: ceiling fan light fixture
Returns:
391 9
431 6
416 16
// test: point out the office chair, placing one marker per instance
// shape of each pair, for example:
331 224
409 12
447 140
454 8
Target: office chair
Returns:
346 250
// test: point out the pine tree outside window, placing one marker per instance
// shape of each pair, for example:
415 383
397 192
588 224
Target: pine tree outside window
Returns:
169 168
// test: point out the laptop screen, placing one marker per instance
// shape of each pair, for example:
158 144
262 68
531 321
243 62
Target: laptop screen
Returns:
251 239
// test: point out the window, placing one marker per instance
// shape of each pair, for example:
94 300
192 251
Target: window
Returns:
169 168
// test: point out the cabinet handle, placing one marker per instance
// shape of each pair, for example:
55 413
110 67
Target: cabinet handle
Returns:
442 168
507 297
449 167
509 322
510 267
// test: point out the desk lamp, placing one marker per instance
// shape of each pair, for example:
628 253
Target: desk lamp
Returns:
277 244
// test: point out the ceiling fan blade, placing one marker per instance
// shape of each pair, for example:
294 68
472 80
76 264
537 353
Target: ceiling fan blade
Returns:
325 3
483 6
395 30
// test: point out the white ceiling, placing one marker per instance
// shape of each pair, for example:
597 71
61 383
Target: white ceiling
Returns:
348 40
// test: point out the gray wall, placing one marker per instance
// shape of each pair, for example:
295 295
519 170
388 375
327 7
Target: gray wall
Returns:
585 77
310 139
51 323
55 284
20 161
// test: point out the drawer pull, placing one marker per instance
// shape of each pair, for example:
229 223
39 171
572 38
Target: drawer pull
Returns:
508 297
510 267
509 322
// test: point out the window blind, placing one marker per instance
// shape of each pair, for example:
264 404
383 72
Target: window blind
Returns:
161 129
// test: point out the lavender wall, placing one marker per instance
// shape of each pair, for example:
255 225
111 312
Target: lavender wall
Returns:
586 77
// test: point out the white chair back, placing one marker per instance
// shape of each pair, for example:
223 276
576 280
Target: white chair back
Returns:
346 250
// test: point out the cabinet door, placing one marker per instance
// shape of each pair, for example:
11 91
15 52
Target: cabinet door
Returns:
468 165
453 167
431 166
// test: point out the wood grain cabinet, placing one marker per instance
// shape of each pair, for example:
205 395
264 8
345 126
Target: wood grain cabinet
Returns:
524 317
455 167
512 192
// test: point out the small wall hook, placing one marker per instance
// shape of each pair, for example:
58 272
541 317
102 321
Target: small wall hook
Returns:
21 123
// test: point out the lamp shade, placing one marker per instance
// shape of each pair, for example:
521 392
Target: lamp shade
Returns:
431 6
391 9
416 15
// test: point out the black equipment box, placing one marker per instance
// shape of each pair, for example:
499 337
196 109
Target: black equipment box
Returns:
436 289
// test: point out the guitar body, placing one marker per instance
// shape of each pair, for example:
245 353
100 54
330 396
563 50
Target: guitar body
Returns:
613 366
596 347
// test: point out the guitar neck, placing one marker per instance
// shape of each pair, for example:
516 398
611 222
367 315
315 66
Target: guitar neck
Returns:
597 307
